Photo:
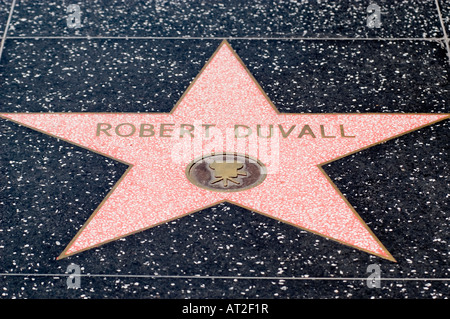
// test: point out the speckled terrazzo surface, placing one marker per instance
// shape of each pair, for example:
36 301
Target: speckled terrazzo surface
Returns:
48 187
229 18
445 10
5 6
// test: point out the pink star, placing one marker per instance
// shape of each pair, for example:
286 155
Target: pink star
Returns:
159 146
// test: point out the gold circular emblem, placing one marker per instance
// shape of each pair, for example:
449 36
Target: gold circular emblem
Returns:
226 172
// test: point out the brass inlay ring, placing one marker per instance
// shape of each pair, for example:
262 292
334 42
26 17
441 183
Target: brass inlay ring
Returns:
226 172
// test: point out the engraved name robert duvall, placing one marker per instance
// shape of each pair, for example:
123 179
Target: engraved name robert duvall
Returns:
205 130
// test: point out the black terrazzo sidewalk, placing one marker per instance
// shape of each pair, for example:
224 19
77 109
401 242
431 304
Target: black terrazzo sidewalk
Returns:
5 6
48 188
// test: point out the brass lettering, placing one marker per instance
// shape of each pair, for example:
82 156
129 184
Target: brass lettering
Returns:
146 128
306 130
189 130
207 126
240 130
163 130
322 132
283 133
104 130
343 133
236 131
258 131
133 129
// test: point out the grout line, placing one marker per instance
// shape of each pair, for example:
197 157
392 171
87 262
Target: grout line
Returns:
37 37
2 44
219 277
446 40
